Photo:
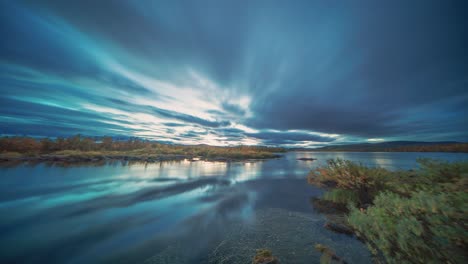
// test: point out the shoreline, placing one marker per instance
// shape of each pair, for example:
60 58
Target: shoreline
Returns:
80 149
96 158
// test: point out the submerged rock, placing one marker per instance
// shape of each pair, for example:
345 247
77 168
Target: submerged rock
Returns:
338 228
264 256
328 255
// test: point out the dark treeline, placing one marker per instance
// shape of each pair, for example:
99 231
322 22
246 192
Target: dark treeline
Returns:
81 143
456 147
78 142
387 147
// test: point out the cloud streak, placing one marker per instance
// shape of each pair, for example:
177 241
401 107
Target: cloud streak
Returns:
233 72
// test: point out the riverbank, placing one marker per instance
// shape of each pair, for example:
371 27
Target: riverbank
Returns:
94 156
78 149
414 215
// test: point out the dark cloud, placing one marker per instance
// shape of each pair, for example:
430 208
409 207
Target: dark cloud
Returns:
192 134
30 40
387 62
23 109
122 83
289 137
174 124
45 120
361 70
233 108
230 131
189 118
208 34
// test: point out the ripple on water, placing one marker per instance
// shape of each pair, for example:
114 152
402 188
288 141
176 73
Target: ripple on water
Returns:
291 237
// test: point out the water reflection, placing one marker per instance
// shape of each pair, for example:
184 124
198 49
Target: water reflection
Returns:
179 212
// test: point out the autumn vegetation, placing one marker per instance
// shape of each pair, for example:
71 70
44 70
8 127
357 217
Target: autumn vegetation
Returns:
415 216
79 148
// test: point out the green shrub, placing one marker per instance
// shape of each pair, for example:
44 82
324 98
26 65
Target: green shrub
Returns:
365 182
426 228
342 196
415 216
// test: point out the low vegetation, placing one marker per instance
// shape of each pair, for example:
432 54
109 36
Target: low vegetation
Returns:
79 148
415 216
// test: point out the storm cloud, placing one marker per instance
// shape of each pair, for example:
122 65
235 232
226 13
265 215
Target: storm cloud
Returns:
298 73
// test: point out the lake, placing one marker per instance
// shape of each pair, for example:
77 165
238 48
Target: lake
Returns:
174 212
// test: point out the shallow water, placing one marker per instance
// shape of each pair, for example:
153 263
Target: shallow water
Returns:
174 212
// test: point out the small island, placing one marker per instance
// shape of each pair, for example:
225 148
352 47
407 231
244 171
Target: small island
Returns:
80 149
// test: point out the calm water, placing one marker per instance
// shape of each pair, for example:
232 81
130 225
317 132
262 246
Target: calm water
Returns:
174 212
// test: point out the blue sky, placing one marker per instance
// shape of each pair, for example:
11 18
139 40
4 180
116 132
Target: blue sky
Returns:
290 73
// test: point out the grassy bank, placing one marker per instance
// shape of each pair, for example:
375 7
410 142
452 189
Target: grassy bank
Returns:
415 216
83 149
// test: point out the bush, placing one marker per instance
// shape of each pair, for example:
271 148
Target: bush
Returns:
342 196
426 228
415 216
363 181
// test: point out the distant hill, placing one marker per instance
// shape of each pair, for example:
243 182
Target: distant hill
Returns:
400 146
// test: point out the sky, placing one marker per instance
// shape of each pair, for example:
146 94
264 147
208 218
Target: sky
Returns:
281 73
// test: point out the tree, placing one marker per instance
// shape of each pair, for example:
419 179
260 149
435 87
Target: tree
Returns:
47 145
107 143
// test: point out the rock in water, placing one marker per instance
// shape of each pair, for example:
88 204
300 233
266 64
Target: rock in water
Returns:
328 255
264 256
